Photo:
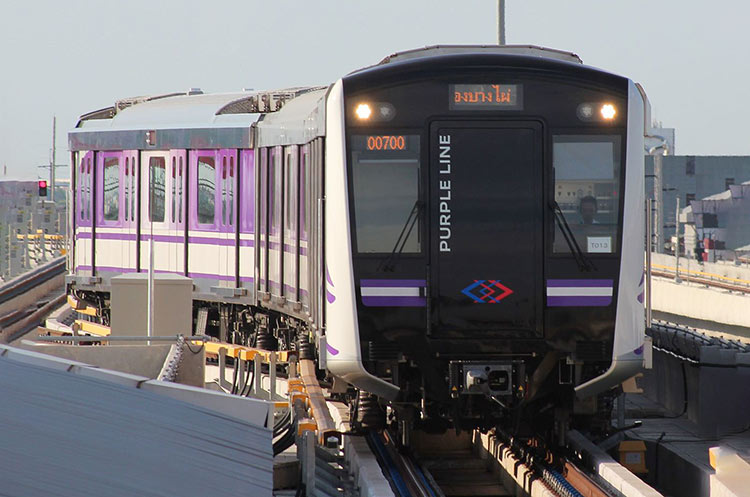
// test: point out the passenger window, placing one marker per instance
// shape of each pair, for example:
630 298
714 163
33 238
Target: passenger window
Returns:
174 186
111 207
587 190
230 192
224 190
157 178
290 197
127 188
179 192
275 189
206 190
82 187
88 190
133 191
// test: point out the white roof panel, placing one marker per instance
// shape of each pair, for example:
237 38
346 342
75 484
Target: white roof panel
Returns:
182 111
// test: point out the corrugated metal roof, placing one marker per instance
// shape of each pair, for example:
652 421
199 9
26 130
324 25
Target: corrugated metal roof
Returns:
69 434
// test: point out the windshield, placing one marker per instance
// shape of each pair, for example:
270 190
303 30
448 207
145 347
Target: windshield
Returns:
587 189
385 175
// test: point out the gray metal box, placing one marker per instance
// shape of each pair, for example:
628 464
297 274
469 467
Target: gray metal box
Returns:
173 305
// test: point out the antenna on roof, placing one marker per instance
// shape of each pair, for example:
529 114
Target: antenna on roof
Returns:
501 22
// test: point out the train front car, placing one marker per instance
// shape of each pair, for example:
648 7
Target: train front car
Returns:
484 233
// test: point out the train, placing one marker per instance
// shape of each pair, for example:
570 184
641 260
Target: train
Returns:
455 234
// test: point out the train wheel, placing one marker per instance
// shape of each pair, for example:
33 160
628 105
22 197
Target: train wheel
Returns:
368 414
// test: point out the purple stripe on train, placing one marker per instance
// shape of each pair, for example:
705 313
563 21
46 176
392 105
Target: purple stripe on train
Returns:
393 293
579 293
330 297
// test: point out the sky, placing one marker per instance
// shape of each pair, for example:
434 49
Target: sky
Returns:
66 58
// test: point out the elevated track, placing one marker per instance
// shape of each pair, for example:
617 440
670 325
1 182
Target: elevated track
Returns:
27 299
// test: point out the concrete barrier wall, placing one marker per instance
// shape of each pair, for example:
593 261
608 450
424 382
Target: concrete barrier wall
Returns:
697 301
140 360
728 270
703 378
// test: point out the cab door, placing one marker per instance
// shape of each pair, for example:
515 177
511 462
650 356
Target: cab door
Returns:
486 228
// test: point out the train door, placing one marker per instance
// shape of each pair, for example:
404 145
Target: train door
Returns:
246 221
154 212
204 219
83 211
486 228
109 231
275 245
227 185
263 285
304 223
291 225
129 248
177 209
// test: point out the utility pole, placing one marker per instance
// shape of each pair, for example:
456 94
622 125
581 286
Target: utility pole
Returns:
53 164
501 22
677 243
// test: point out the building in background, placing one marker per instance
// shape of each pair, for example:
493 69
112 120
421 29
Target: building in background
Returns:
717 227
670 177
32 228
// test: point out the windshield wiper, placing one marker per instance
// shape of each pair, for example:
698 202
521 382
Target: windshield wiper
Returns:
387 264
584 263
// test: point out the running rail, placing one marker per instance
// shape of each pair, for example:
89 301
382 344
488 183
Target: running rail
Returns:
20 298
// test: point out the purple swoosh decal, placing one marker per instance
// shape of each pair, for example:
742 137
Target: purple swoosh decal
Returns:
331 350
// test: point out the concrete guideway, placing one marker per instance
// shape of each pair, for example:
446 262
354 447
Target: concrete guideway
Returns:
711 294
696 301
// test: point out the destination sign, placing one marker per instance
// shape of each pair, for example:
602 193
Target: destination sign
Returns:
486 97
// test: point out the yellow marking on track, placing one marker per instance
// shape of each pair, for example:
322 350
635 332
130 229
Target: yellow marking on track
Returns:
93 328
81 307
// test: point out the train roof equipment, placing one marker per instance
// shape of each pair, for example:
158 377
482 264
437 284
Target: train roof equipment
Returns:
187 120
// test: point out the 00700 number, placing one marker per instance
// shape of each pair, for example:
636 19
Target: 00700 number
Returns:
386 142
